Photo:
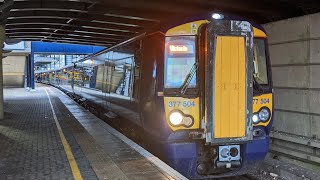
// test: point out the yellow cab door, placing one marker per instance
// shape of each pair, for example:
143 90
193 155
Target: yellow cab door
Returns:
228 81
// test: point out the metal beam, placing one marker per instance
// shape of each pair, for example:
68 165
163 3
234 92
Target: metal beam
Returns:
160 10
69 40
76 42
108 14
57 36
49 32
5 10
99 20
6 5
59 22
62 41
75 15
76 23
53 29
103 8
67 18
78 29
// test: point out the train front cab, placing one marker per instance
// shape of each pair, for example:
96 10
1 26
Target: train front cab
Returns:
217 97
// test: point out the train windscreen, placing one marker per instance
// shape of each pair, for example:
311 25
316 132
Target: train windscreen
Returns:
180 57
260 62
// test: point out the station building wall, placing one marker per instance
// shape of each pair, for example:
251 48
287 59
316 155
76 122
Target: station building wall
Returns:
294 46
14 71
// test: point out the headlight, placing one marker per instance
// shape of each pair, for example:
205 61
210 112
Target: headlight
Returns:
264 114
255 118
175 118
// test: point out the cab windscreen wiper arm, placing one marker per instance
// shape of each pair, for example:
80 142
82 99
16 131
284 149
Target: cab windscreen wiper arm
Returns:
257 86
187 80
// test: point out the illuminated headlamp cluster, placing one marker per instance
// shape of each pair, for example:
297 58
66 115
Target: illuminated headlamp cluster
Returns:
177 118
262 116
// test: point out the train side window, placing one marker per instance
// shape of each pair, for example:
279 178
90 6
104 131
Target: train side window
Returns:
121 75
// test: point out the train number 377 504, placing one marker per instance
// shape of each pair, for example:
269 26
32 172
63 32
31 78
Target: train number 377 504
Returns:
183 104
262 101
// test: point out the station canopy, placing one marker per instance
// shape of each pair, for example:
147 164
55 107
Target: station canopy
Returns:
108 22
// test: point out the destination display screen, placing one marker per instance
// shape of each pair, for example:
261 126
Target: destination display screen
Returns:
181 49
180 57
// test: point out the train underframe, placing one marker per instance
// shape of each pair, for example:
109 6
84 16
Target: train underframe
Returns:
199 161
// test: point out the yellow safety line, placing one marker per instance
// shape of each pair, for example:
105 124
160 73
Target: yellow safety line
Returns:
73 164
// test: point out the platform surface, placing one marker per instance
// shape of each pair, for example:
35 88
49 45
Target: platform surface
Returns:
46 135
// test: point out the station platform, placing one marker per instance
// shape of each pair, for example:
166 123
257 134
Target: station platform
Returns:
46 135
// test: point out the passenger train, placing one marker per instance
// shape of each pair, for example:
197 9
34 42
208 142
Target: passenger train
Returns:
198 92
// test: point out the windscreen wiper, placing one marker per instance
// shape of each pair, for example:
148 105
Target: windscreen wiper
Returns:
257 86
187 80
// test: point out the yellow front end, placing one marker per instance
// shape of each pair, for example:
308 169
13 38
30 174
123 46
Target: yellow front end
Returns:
263 101
230 81
213 71
188 107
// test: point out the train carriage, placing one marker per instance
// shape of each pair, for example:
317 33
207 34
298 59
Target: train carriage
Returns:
198 93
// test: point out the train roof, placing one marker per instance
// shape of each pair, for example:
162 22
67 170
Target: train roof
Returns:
204 16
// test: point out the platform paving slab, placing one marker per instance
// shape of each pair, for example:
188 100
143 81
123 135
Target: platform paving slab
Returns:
32 149
133 160
30 144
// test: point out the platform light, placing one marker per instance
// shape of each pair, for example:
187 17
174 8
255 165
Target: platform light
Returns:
217 16
176 118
